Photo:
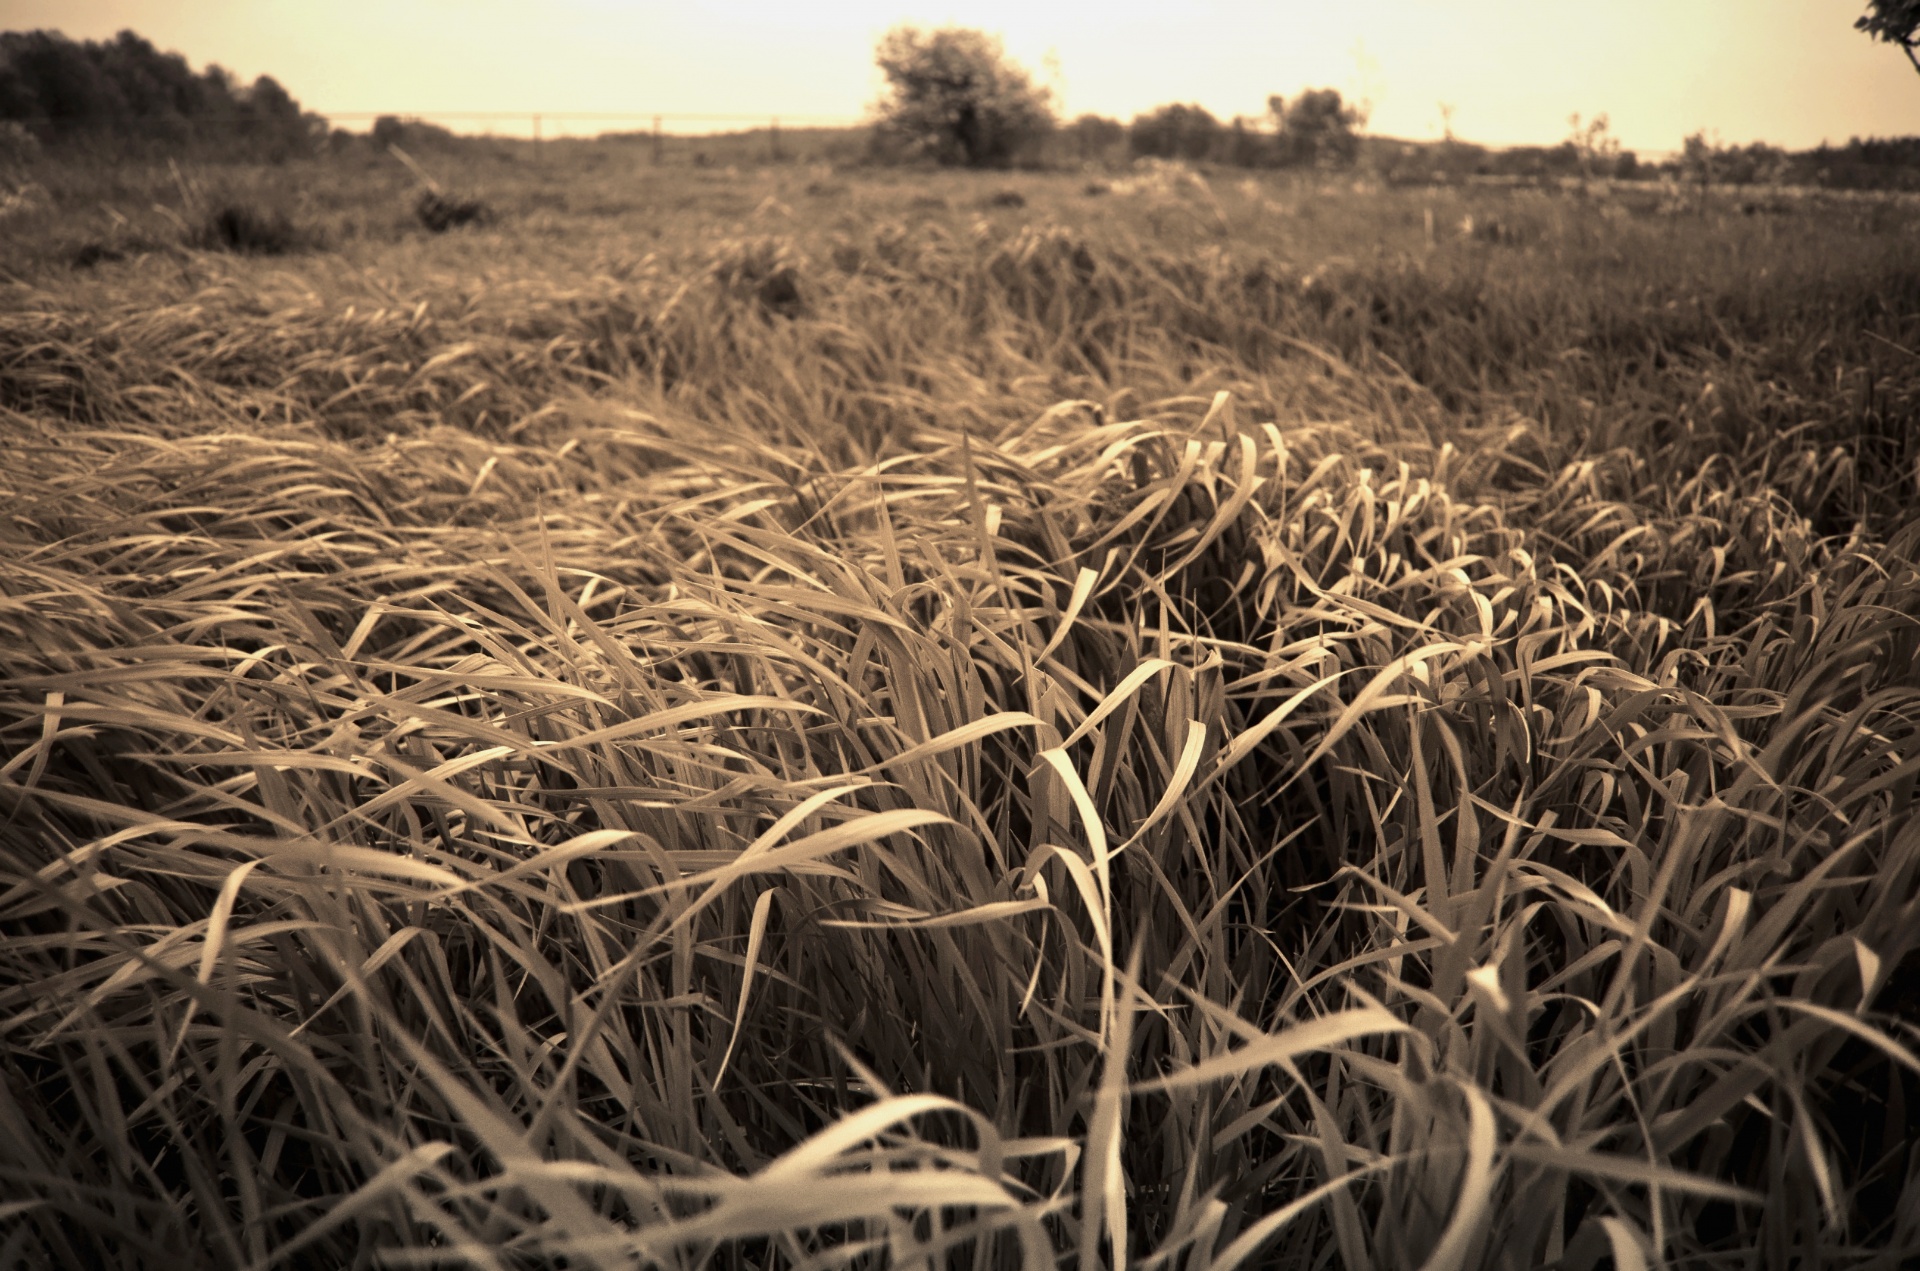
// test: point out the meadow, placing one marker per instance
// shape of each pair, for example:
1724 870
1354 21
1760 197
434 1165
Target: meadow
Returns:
802 717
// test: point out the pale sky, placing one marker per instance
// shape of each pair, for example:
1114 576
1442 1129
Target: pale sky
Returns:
1792 72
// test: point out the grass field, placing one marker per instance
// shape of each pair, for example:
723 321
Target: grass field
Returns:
790 717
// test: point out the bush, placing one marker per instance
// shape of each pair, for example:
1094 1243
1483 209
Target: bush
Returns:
953 97
1317 128
1174 132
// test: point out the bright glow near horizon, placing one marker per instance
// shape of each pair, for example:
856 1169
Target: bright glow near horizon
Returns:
1791 72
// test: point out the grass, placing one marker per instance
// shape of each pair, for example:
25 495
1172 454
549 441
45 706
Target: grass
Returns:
795 719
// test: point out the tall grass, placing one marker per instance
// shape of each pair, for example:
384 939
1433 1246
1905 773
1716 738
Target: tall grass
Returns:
939 744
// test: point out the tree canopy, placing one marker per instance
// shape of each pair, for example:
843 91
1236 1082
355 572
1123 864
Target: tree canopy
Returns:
1894 22
126 90
954 96
1175 132
1317 127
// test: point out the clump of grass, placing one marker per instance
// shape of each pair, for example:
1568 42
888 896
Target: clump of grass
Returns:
763 272
438 209
249 229
441 212
96 251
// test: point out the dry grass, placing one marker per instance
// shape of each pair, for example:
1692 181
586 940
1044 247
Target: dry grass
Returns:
935 741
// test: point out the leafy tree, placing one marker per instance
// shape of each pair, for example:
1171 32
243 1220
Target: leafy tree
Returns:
51 80
1175 132
1317 127
267 100
954 97
1893 22
124 90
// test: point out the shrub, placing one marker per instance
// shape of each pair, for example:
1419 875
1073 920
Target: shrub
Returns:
954 98
1317 128
1174 132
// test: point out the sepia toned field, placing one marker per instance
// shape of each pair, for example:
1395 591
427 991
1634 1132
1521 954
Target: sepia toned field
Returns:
798 717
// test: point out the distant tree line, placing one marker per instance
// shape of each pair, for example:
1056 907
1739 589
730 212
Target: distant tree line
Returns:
1315 129
124 93
1875 163
954 98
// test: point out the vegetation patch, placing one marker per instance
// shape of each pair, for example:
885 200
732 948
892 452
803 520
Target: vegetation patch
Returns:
1271 726
250 230
441 212
110 251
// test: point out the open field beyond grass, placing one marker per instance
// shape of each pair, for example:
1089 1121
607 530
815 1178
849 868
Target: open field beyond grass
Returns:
794 718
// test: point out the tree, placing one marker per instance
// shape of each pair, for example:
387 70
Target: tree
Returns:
1174 132
954 97
1317 127
1696 159
124 92
1893 22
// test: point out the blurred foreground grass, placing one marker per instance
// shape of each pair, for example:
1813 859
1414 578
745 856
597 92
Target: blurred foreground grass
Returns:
801 719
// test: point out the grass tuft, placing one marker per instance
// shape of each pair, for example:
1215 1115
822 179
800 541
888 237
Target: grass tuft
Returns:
441 212
251 230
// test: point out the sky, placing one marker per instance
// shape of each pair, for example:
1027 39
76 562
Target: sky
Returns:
1791 72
